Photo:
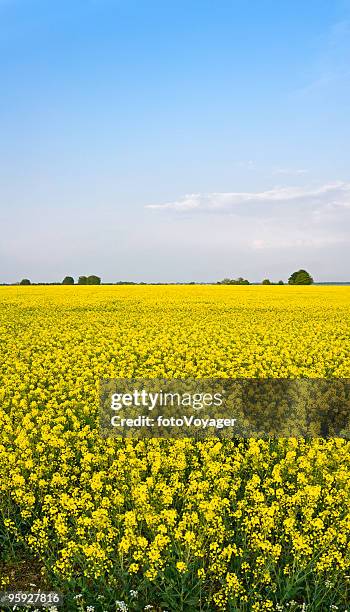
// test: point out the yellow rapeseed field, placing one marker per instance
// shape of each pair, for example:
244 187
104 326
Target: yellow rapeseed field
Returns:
170 524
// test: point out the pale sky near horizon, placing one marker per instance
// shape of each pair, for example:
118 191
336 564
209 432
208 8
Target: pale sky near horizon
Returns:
174 141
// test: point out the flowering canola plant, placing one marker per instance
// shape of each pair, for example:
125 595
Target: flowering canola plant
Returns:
186 525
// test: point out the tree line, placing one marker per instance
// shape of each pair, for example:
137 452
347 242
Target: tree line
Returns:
82 280
300 277
69 280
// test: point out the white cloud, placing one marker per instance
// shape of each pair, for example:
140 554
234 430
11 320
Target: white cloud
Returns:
316 198
250 164
295 221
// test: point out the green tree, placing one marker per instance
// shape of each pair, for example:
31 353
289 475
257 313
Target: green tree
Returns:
93 280
280 282
68 280
225 281
300 277
234 281
82 280
266 281
25 281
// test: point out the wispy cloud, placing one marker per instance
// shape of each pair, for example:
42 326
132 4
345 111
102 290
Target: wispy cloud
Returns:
247 164
335 194
332 65
305 242
296 221
289 171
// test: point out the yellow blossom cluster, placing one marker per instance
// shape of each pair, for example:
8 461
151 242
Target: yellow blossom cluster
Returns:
230 524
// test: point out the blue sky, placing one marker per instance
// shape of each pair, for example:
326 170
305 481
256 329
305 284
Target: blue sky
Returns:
174 140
